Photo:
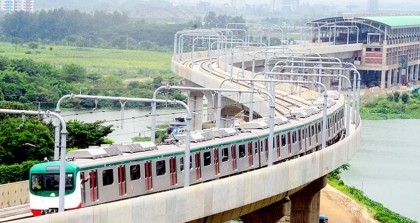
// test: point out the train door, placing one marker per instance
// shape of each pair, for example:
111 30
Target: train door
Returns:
263 151
148 175
300 139
107 185
250 155
136 185
277 146
319 133
216 162
224 164
284 148
289 144
294 143
234 158
83 191
313 137
309 137
181 170
122 185
330 128
94 194
172 171
305 136
207 171
242 162
161 179
197 166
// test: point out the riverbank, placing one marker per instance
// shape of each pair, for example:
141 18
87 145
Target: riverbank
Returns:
341 208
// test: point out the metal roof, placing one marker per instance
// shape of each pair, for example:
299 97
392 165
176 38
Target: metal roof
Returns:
396 21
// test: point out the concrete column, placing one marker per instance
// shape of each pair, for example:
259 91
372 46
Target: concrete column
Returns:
395 79
383 73
306 202
411 74
389 78
269 214
416 74
195 102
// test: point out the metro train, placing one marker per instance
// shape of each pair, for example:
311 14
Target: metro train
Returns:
120 171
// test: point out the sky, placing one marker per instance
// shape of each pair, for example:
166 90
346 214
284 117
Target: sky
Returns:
362 3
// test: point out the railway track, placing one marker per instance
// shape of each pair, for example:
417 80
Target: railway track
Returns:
284 103
15 213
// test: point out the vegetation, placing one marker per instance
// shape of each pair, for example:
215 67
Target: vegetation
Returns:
393 106
15 172
379 212
76 28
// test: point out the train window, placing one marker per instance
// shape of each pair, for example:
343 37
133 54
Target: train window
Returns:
312 130
225 154
241 151
69 181
135 172
37 181
107 177
207 158
160 167
181 163
256 147
319 127
283 140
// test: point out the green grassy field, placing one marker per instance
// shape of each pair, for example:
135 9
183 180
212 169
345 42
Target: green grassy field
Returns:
123 62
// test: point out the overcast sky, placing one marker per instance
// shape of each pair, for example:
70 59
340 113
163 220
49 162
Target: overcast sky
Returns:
361 3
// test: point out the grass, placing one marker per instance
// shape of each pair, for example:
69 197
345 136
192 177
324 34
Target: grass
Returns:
379 212
387 108
128 63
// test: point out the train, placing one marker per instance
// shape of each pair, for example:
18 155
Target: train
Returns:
109 173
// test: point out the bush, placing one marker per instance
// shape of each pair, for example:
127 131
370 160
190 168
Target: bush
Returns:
405 98
15 172
33 45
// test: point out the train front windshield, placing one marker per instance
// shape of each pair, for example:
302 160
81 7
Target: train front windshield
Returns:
51 181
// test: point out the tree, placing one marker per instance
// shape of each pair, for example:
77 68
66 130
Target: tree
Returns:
22 140
74 73
82 135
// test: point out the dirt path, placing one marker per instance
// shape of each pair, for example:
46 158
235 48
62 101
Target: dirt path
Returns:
341 209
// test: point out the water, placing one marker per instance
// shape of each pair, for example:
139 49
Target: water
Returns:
133 123
387 166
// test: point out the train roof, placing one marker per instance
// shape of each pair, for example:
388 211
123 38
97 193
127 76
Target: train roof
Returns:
52 167
109 155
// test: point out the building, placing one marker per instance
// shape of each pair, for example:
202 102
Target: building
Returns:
279 5
16 5
390 46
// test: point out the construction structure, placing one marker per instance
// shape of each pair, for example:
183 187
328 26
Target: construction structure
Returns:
390 46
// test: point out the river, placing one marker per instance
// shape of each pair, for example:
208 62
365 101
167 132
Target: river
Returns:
126 125
387 166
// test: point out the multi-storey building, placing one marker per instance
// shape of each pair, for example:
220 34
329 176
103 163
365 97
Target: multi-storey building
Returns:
16 5
389 52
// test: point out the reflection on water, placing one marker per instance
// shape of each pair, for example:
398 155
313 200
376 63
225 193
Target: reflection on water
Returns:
131 123
387 165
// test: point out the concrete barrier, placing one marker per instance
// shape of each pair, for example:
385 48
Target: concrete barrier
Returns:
13 194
